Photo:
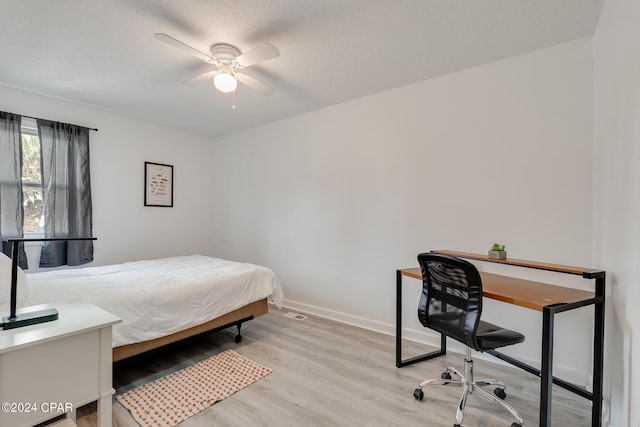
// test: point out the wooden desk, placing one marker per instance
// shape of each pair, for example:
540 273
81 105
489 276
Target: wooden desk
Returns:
51 368
548 299
525 293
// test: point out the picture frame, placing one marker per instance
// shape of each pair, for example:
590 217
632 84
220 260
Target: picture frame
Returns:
158 185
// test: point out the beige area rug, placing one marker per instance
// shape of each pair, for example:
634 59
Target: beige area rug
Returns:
170 400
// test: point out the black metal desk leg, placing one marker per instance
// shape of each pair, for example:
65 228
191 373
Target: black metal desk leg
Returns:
399 362
398 319
598 354
546 378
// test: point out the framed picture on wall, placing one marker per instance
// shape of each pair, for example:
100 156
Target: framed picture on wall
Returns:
158 185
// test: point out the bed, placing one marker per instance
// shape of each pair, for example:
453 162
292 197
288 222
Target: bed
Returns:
162 301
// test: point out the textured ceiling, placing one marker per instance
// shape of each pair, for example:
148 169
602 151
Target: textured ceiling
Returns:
103 53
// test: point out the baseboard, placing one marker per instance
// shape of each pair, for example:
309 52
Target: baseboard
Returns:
341 317
426 337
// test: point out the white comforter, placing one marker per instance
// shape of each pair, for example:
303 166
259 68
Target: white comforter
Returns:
159 297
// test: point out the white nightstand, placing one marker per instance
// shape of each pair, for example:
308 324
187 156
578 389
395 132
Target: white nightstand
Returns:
55 367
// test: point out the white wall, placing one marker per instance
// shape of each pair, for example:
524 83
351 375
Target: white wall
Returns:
617 198
337 199
126 230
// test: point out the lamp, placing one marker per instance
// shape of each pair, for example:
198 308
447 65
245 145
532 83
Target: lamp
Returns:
225 82
29 317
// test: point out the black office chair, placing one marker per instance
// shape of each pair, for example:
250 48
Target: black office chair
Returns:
451 304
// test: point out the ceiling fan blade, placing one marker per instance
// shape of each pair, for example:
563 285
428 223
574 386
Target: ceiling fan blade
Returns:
263 88
261 53
183 47
208 76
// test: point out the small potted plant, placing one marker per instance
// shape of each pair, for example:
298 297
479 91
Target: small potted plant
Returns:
497 251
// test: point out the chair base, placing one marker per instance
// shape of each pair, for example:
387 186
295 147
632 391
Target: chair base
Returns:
468 387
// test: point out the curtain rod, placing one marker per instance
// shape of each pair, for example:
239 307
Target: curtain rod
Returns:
37 118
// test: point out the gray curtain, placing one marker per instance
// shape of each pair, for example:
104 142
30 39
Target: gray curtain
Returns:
11 209
67 193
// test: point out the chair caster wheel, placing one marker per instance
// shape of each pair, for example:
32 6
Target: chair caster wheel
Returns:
238 338
445 375
457 425
501 394
516 425
418 394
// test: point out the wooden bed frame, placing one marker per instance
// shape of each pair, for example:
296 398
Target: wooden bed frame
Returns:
236 317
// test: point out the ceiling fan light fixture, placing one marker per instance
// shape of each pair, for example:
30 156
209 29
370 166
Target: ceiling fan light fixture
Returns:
225 82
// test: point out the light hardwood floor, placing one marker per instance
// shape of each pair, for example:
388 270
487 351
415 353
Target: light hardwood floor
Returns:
327 373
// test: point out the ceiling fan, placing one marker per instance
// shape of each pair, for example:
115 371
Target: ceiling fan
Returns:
228 62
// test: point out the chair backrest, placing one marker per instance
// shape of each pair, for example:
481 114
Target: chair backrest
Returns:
451 301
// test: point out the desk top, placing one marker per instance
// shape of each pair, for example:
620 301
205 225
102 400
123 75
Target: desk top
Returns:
525 293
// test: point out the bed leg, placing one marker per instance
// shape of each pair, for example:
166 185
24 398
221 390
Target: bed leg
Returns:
239 336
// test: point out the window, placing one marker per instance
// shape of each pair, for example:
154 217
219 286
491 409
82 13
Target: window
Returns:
50 162
31 178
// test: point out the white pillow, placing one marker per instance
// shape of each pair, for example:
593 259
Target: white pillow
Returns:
5 281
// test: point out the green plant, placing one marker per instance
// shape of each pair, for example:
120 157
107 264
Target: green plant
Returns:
497 247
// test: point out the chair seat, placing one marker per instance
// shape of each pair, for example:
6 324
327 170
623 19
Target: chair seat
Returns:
490 336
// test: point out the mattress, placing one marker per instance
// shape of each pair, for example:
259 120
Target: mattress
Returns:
159 297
